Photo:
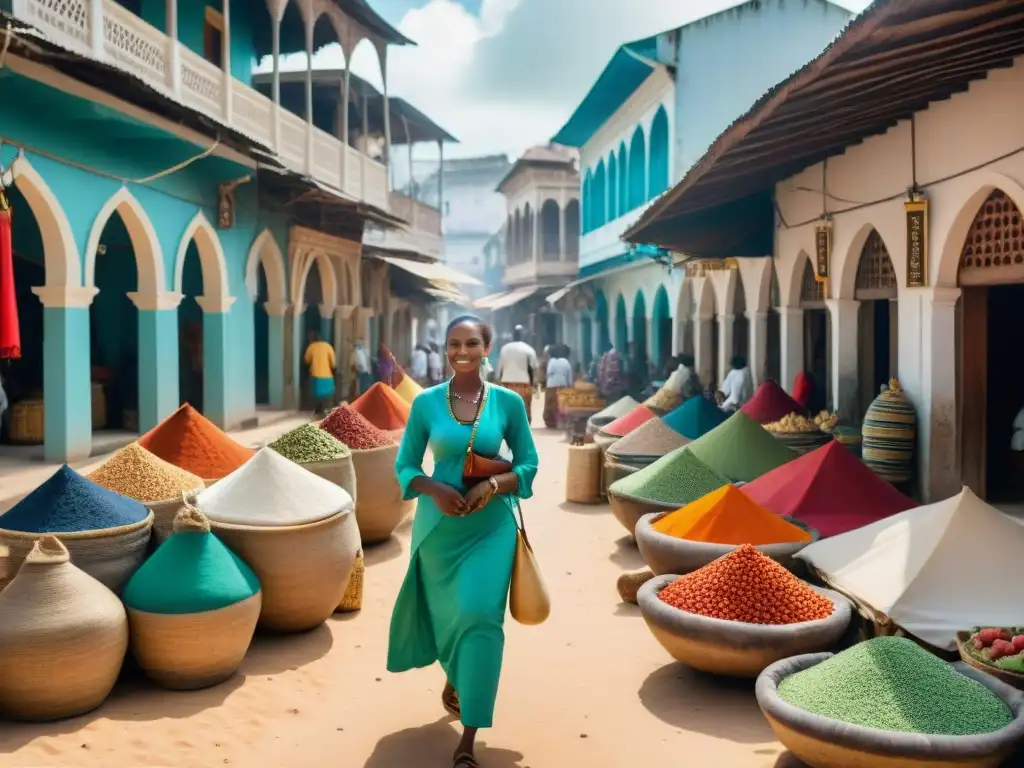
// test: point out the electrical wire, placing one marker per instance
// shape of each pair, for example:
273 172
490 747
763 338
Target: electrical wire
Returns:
857 205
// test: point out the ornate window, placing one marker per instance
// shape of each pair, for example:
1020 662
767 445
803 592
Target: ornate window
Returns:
876 278
994 248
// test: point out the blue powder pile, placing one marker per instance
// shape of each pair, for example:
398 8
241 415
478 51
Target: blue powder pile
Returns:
68 503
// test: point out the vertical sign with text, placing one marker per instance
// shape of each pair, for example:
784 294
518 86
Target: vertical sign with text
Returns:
917 243
822 252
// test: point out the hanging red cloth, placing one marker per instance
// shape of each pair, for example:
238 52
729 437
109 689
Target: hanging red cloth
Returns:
803 388
10 334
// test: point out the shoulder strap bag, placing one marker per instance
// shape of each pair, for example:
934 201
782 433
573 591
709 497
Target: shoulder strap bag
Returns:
528 599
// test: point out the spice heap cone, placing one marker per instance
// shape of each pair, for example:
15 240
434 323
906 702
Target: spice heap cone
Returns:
351 428
747 586
740 449
69 503
626 424
729 516
138 474
829 489
407 389
676 478
383 407
647 442
308 443
696 417
189 440
616 410
771 403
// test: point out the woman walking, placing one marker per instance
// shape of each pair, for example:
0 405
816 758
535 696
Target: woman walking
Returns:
558 376
451 607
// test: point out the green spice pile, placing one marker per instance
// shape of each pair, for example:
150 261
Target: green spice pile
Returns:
892 684
309 443
678 478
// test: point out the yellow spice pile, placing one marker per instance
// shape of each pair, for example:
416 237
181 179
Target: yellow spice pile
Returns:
135 472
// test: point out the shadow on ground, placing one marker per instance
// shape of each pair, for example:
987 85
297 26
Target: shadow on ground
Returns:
716 706
432 746
271 654
626 555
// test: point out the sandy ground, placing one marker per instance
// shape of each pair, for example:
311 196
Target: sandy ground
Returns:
591 687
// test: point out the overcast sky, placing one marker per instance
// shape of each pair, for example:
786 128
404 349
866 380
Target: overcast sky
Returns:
503 75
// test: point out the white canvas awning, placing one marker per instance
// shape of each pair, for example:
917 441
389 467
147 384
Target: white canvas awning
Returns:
433 271
933 570
514 297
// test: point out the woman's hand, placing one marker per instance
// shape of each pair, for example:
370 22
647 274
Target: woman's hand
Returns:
449 500
479 495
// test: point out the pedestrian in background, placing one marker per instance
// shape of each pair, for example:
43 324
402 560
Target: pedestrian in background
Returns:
418 369
558 377
435 365
517 368
320 359
361 367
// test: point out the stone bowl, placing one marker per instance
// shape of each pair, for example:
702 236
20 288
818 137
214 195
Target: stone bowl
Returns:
629 511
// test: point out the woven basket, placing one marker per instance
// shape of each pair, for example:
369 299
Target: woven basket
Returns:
341 472
889 432
188 651
62 639
629 511
825 743
803 442
304 570
733 648
27 425
380 507
1015 679
110 555
668 554
164 513
583 474
353 599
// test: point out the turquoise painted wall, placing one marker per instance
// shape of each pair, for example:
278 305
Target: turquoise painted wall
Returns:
102 144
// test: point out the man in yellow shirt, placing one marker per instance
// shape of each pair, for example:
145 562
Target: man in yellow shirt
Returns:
320 359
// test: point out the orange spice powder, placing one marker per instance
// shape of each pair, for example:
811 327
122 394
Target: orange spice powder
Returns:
729 516
383 407
747 586
190 441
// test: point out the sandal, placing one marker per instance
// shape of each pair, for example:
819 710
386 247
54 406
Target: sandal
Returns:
450 701
465 760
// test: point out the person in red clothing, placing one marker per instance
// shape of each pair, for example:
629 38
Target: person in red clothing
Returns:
803 389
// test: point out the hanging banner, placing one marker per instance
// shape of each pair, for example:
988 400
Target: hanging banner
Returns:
822 251
917 242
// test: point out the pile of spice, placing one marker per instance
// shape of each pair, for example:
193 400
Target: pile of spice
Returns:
676 478
138 474
68 503
892 684
354 430
829 489
308 443
740 449
696 417
747 586
383 407
272 491
607 415
648 441
623 425
729 516
771 403
189 440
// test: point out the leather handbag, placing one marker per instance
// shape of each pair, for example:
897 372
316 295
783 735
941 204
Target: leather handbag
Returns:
529 601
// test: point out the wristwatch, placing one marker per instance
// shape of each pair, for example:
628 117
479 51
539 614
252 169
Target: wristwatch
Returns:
494 483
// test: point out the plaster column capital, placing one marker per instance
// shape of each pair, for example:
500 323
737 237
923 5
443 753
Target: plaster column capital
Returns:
344 311
726 317
65 296
757 315
215 305
326 311
790 312
839 305
162 300
276 308
944 296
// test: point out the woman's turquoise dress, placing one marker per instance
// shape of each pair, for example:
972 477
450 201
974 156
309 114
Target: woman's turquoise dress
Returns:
451 607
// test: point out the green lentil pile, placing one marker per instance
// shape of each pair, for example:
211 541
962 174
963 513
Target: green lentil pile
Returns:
892 684
309 443
676 478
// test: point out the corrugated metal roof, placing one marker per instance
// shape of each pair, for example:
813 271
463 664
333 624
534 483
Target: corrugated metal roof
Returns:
893 60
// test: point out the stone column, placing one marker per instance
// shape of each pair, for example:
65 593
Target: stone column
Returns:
702 338
158 356
758 345
67 397
938 421
216 392
326 322
725 346
845 381
275 352
342 380
791 337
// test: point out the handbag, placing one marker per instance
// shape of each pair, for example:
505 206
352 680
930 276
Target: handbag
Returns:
528 598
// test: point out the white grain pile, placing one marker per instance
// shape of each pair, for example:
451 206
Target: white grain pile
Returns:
271 491
616 410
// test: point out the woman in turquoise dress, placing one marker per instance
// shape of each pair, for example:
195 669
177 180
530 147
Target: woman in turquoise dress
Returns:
451 607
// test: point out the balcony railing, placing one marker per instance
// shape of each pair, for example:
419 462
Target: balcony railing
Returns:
420 216
106 31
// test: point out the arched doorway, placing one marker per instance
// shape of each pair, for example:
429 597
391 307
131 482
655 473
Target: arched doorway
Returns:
191 357
877 319
816 336
586 354
604 338
773 361
740 323
991 277
621 327
638 357
661 328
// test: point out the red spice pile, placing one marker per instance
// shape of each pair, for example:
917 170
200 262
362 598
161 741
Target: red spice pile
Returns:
383 407
626 424
354 430
771 403
189 440
747 586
